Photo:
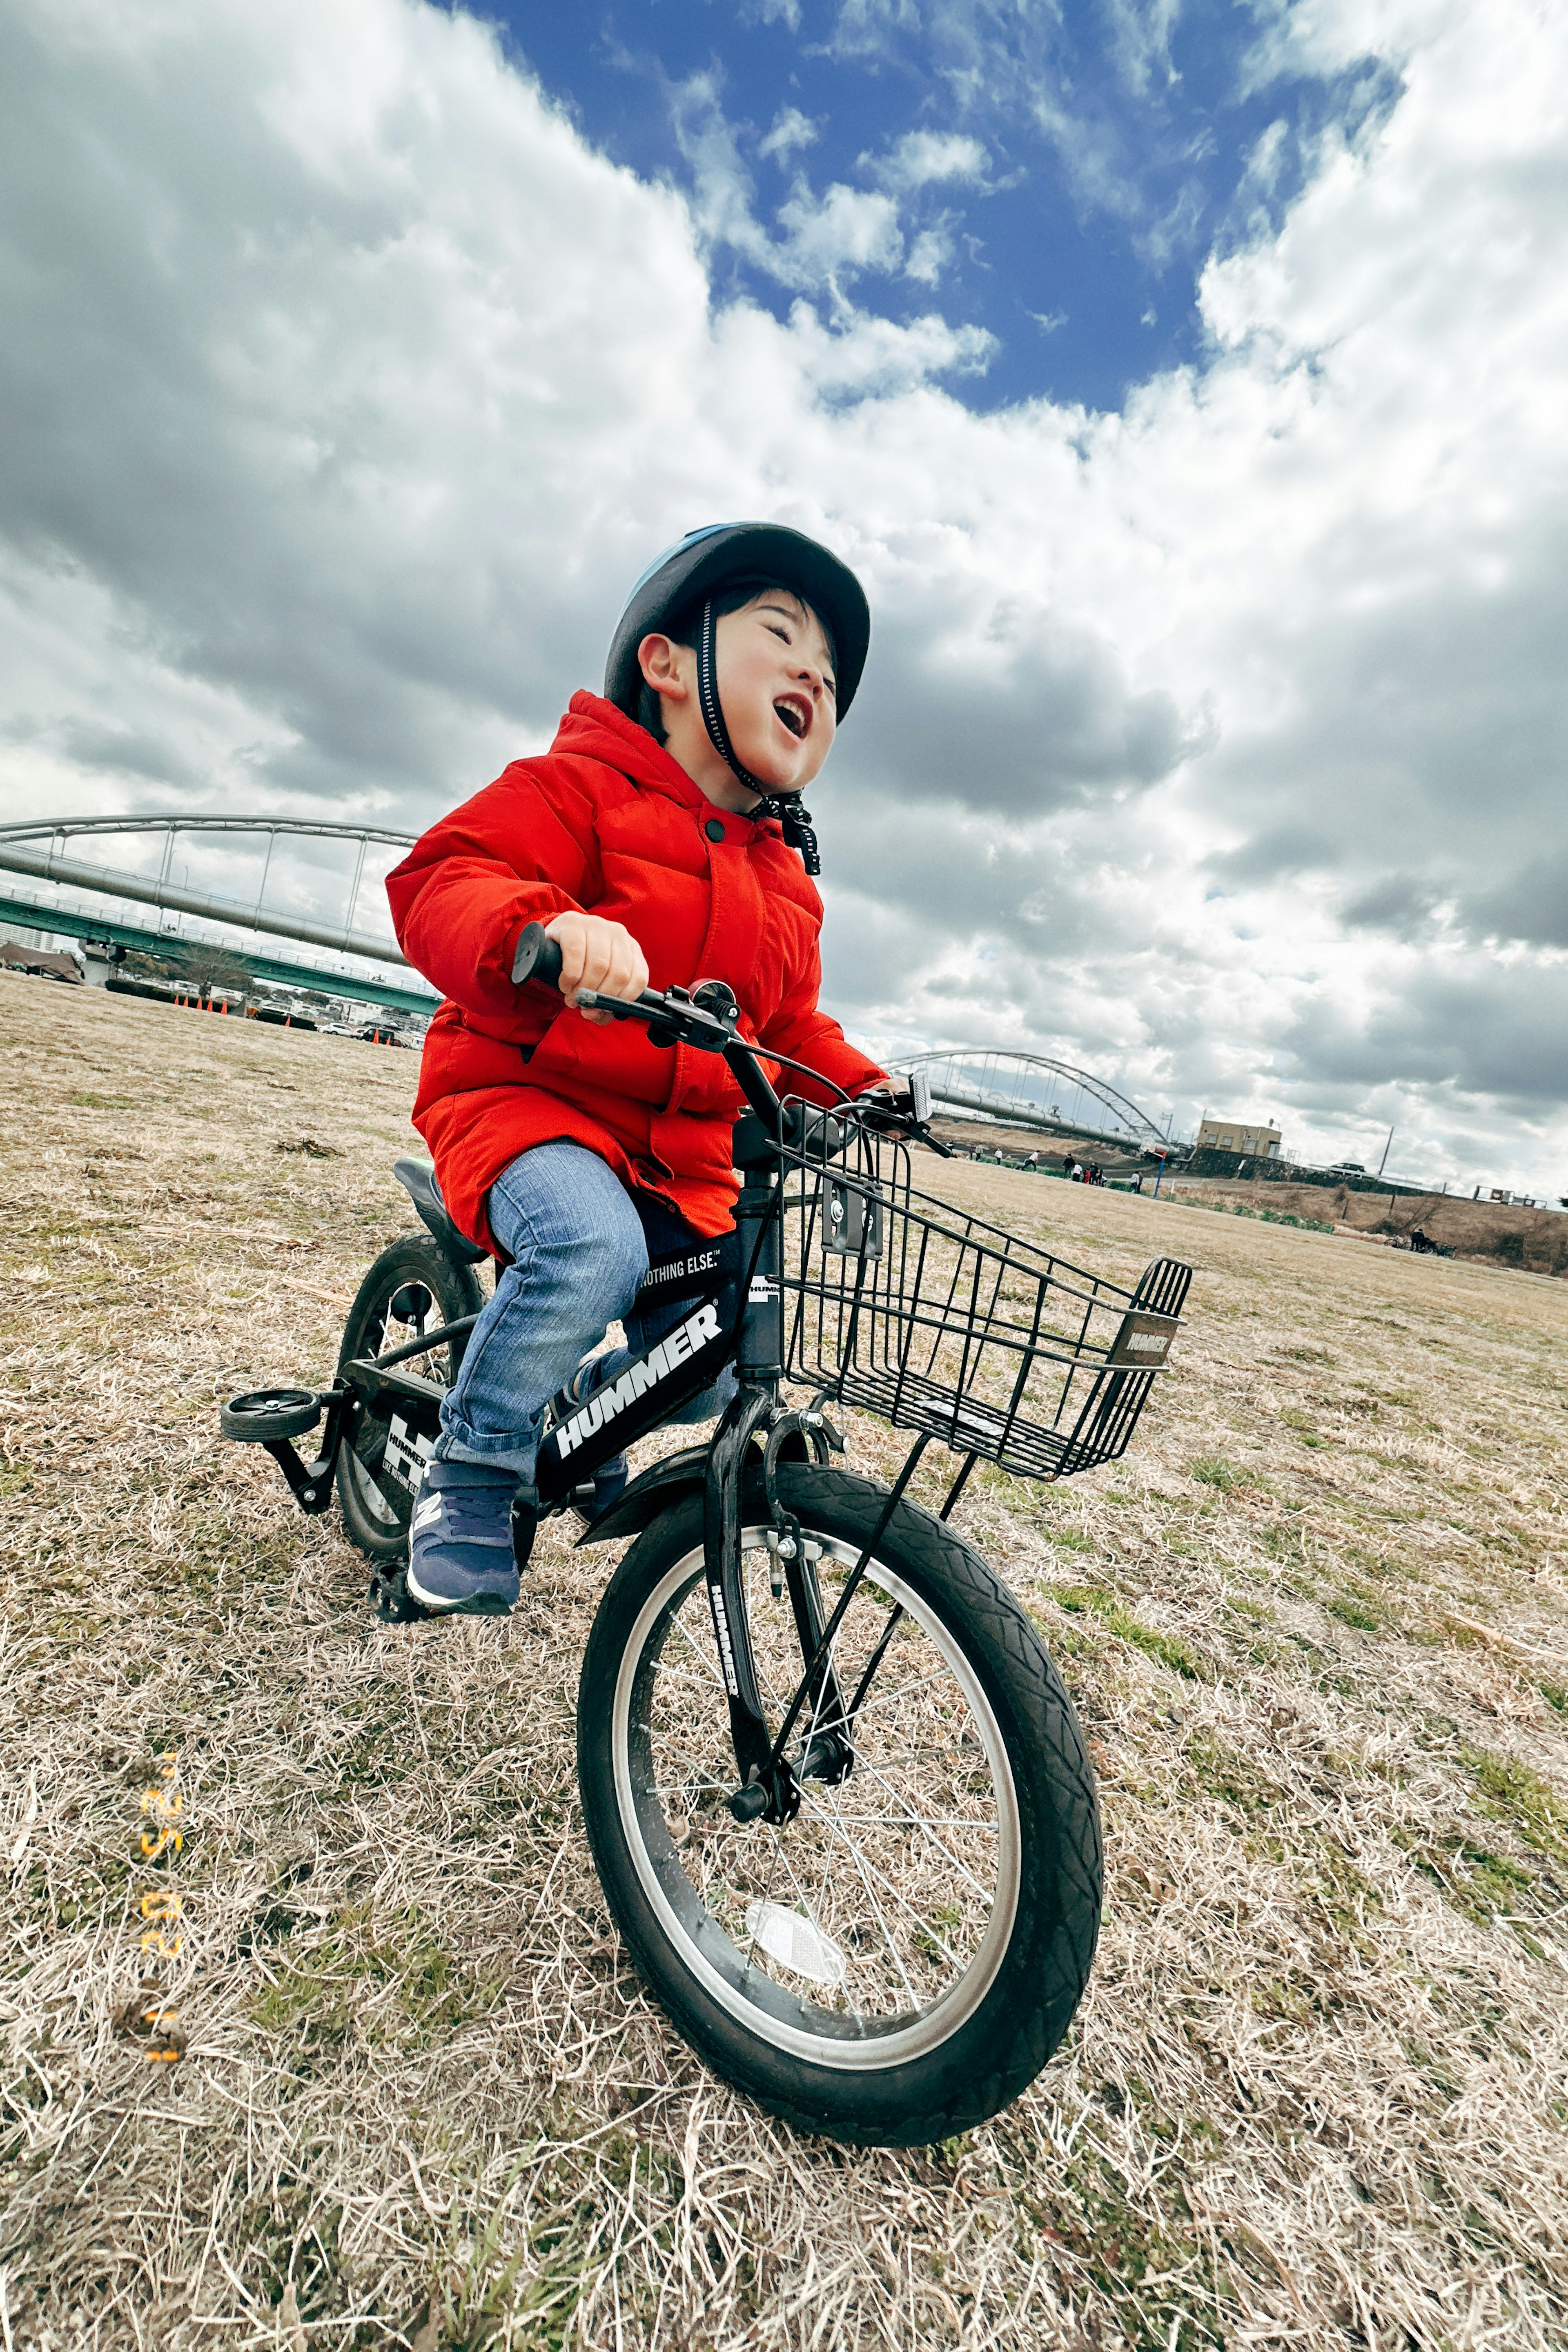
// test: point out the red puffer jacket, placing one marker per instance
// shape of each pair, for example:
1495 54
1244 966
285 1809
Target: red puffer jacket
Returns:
604 822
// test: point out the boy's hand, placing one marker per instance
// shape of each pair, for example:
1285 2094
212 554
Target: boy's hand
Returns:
885 1109
597 955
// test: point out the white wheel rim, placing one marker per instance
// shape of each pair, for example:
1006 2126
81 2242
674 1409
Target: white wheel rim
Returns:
753 1998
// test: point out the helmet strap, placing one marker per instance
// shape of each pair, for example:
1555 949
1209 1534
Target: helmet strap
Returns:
797 821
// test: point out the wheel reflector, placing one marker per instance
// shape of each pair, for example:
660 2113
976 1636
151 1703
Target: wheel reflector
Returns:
794 1943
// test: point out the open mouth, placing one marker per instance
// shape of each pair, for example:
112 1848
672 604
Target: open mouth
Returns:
796 717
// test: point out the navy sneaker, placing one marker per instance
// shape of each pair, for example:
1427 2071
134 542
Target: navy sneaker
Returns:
463 1555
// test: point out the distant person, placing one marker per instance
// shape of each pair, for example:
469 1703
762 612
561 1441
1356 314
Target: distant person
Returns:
1032 1163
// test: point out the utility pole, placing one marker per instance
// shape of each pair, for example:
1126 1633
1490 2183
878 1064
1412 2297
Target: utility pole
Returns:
1383 1161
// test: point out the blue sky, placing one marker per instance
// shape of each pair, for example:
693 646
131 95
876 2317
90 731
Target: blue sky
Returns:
1057 177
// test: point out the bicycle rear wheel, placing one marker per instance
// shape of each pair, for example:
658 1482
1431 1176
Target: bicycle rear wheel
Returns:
412 1287
900 1961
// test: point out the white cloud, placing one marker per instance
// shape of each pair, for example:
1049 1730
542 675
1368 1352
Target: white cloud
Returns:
1141 32
1220 741
929 254
868 28
837 235
827 241
791 130
922 157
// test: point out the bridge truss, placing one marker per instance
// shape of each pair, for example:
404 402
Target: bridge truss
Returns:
32 849
43 851
1036 1091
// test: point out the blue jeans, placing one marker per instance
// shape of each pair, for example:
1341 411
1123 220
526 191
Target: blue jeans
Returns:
578 1250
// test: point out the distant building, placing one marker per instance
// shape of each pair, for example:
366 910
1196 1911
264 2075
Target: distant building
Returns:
1239 1135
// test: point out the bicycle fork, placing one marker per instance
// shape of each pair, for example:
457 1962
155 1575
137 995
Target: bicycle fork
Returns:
769 1785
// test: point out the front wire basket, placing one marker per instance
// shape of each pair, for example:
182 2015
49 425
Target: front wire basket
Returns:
910 1309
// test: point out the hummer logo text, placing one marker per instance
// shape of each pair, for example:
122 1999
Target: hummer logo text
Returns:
638 1378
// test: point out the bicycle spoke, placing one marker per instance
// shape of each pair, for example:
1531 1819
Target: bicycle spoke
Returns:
696 1670
917 1822
889 1698
814 1916
892 1948
883 1880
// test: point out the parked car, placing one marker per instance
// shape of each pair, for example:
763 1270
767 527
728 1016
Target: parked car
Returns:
1347 1167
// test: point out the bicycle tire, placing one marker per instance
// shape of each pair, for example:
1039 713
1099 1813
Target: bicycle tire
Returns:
375 1508
931 2073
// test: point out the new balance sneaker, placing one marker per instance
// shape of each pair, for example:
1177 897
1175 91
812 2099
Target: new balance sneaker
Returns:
464 1549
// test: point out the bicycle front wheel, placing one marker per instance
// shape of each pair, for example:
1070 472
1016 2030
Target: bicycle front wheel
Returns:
898 1962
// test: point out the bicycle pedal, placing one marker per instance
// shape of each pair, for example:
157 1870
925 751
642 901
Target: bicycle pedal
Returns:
393 1602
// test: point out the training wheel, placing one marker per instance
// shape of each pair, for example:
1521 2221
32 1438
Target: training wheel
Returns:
265 1415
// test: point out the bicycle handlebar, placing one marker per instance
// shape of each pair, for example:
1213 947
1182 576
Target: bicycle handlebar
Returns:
537 958
674 1017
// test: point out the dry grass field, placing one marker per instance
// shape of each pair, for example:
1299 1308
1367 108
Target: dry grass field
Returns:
1316 1624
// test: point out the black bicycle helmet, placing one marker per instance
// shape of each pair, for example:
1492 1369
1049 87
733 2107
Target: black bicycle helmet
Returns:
699 567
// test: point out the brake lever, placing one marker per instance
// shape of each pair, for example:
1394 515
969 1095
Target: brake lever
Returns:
617 1007
673 1018
888 1122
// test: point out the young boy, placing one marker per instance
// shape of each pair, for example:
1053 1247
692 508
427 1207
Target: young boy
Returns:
653 842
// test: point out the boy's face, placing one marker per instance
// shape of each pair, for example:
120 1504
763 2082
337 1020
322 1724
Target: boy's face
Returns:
776 683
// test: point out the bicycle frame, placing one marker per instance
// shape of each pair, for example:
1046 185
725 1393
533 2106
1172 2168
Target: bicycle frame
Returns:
376 1404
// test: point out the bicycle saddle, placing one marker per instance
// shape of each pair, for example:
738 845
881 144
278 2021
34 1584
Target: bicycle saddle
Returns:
419 1182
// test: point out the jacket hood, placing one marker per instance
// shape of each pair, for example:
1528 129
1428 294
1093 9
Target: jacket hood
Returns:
593 729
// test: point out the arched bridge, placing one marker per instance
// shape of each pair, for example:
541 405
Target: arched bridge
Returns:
1034 1090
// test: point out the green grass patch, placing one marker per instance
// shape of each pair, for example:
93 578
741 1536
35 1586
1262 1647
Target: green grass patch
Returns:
1223 1771
1163 1648
1069 1539
397 1983
1517 1795
1213 1470
1471 1879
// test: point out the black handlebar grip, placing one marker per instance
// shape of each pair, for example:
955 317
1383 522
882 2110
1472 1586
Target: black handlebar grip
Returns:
537 958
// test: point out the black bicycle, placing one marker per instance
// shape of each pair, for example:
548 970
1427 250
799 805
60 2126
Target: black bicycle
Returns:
837 1797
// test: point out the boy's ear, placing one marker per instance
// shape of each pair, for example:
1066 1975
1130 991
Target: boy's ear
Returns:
658 658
